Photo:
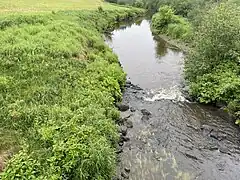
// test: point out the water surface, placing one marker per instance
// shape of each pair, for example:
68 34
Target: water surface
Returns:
180 139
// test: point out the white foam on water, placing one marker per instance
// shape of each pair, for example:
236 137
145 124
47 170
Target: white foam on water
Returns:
172 93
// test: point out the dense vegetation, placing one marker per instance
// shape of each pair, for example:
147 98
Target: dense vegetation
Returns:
212 64
58 85
212 67
166 22
186 8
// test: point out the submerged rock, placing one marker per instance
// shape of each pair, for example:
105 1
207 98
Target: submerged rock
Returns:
123 130
146 115
145 112
122 106
119 150
125 175
125 138
127 169
220 166
132 109
128 84
120 121
135 87
129 124
120 144
224 150
145 118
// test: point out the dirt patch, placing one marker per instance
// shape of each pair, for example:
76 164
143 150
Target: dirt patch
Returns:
2 161
4 157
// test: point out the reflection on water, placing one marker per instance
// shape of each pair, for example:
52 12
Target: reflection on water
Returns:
161 48
146 61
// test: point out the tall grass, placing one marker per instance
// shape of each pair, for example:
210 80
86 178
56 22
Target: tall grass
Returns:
58 85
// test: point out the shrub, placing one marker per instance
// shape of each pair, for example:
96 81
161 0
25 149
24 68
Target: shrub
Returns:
166 22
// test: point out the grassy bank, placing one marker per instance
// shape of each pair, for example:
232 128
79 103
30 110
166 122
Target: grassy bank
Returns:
58 85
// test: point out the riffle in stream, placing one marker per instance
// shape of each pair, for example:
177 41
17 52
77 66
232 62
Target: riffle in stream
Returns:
167 137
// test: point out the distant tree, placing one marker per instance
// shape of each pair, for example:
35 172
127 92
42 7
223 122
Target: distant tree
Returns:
111 1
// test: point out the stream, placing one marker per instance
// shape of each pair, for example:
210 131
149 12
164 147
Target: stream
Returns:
168 137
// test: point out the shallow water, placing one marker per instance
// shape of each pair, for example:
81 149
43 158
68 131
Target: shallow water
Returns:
180 139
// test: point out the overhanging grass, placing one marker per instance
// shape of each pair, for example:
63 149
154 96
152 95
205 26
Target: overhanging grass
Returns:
58 85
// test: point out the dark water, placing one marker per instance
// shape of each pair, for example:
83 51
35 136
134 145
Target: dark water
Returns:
180 139
147 62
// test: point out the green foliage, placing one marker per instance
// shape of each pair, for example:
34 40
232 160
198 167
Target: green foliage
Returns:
212 68
59 83
198 10
139 3
112 1
135 3
166 22
216 41
181 7
162 19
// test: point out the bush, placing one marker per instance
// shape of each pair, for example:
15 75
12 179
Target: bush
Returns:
139 3
166 22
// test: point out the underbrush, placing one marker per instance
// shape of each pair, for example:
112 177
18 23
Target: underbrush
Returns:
59 83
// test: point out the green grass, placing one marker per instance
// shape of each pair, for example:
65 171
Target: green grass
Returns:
58 86
30 6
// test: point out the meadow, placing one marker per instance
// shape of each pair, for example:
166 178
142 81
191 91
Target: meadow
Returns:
47 5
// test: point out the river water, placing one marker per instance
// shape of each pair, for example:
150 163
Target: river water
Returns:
171 138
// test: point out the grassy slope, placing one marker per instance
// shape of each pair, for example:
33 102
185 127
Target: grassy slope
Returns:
58 85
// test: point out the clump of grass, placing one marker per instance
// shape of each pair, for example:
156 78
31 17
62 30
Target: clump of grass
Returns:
59 83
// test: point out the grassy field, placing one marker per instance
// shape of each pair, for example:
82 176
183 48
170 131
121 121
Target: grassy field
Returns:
12 6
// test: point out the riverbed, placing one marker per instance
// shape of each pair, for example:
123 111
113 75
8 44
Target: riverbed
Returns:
170 137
